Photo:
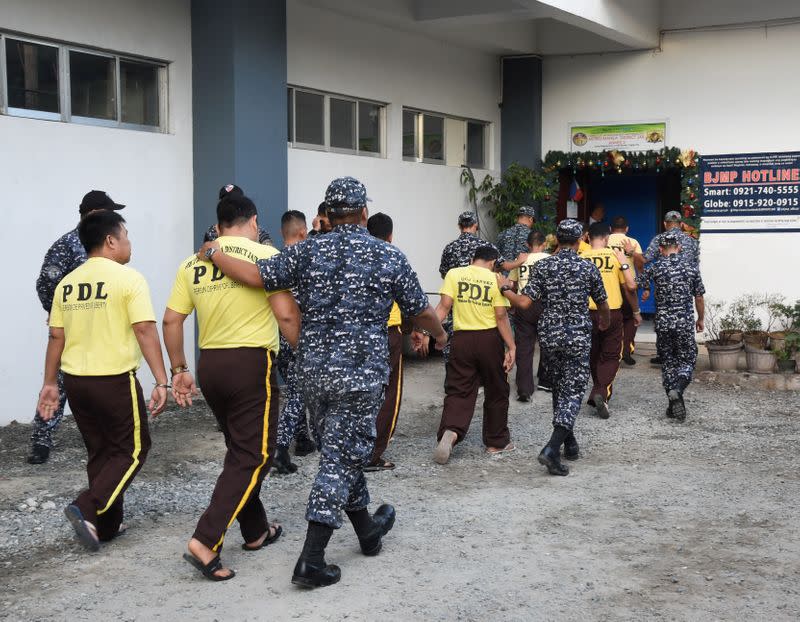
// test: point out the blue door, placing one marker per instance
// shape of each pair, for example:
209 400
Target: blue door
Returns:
637 198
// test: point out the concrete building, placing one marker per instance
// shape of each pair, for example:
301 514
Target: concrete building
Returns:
162 102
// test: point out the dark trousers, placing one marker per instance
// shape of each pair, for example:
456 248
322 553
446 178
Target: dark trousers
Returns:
476 357
387 416
111 415
605 354
239 385
628 328
525 336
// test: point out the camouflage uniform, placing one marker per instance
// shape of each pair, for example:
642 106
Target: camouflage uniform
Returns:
66 254
513 241
263 236
563 283
346 282
292 421
677 283
690 249
457 254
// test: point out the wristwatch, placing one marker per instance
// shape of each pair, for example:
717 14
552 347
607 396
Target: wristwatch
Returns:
506 288
210 252
625 266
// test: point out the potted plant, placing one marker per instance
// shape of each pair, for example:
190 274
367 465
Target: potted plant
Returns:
786 355
742 315
723 338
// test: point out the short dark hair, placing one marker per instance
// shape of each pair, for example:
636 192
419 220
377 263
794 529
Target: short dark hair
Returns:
380 225
322 209
566 240
235 209
598 230
96 226
619 222
536 238
486 253
291 221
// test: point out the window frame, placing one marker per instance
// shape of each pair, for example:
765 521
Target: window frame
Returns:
13 111
419 137
485 155
65 87
326 113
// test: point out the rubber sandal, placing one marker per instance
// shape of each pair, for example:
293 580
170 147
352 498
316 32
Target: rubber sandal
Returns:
493 451
208 570
379 465
86 536
267 541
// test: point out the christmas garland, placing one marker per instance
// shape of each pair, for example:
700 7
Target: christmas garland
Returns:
621 163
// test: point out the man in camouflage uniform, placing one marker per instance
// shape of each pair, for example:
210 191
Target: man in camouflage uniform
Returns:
66 254
678 284
346 282
292 425
212 233
563 282
690 249
514 241
459 253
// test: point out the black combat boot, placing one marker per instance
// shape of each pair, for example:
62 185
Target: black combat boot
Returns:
304 445
550 456
283 462
39 454
571 449
370 530
311 570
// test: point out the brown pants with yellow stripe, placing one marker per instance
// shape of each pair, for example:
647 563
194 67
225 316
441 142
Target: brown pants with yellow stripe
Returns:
605 354
112 418
387 417
240 387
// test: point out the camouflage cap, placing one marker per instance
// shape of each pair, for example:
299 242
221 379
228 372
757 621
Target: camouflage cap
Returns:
672 216
569 228
346 194
467 219
527 210
669 238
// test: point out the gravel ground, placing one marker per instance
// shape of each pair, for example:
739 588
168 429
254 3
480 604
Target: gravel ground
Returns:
657 520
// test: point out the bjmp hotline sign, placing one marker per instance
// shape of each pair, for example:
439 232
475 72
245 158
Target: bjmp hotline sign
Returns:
750 192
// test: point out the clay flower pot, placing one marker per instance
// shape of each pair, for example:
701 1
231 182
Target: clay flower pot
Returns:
760 361
731 336
757 339
723 357
777 341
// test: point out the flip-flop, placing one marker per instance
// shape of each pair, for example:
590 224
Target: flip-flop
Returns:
208 570
493 451
267 541
85 534
379 465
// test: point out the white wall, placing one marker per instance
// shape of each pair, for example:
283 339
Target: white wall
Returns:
722 92
48 166
329 52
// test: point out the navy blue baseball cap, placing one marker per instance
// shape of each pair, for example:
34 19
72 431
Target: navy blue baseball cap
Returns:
527 210
346 194
467 219
668 238
228 189
569 229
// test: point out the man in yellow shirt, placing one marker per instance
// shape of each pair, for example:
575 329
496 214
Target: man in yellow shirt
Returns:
101 323
238 338
621 241
525 320
480 328
606 349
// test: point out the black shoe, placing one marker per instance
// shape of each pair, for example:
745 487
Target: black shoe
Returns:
550 459
304 446
628 360
545 387
39 454
676 405
656 360
311 575
283 463
382 521
522 397
571 449
602 406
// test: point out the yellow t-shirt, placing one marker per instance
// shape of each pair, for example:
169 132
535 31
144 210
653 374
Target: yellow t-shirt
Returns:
523 273
96 304
395 317
615 240
583 247
230 315
475 295
608 264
